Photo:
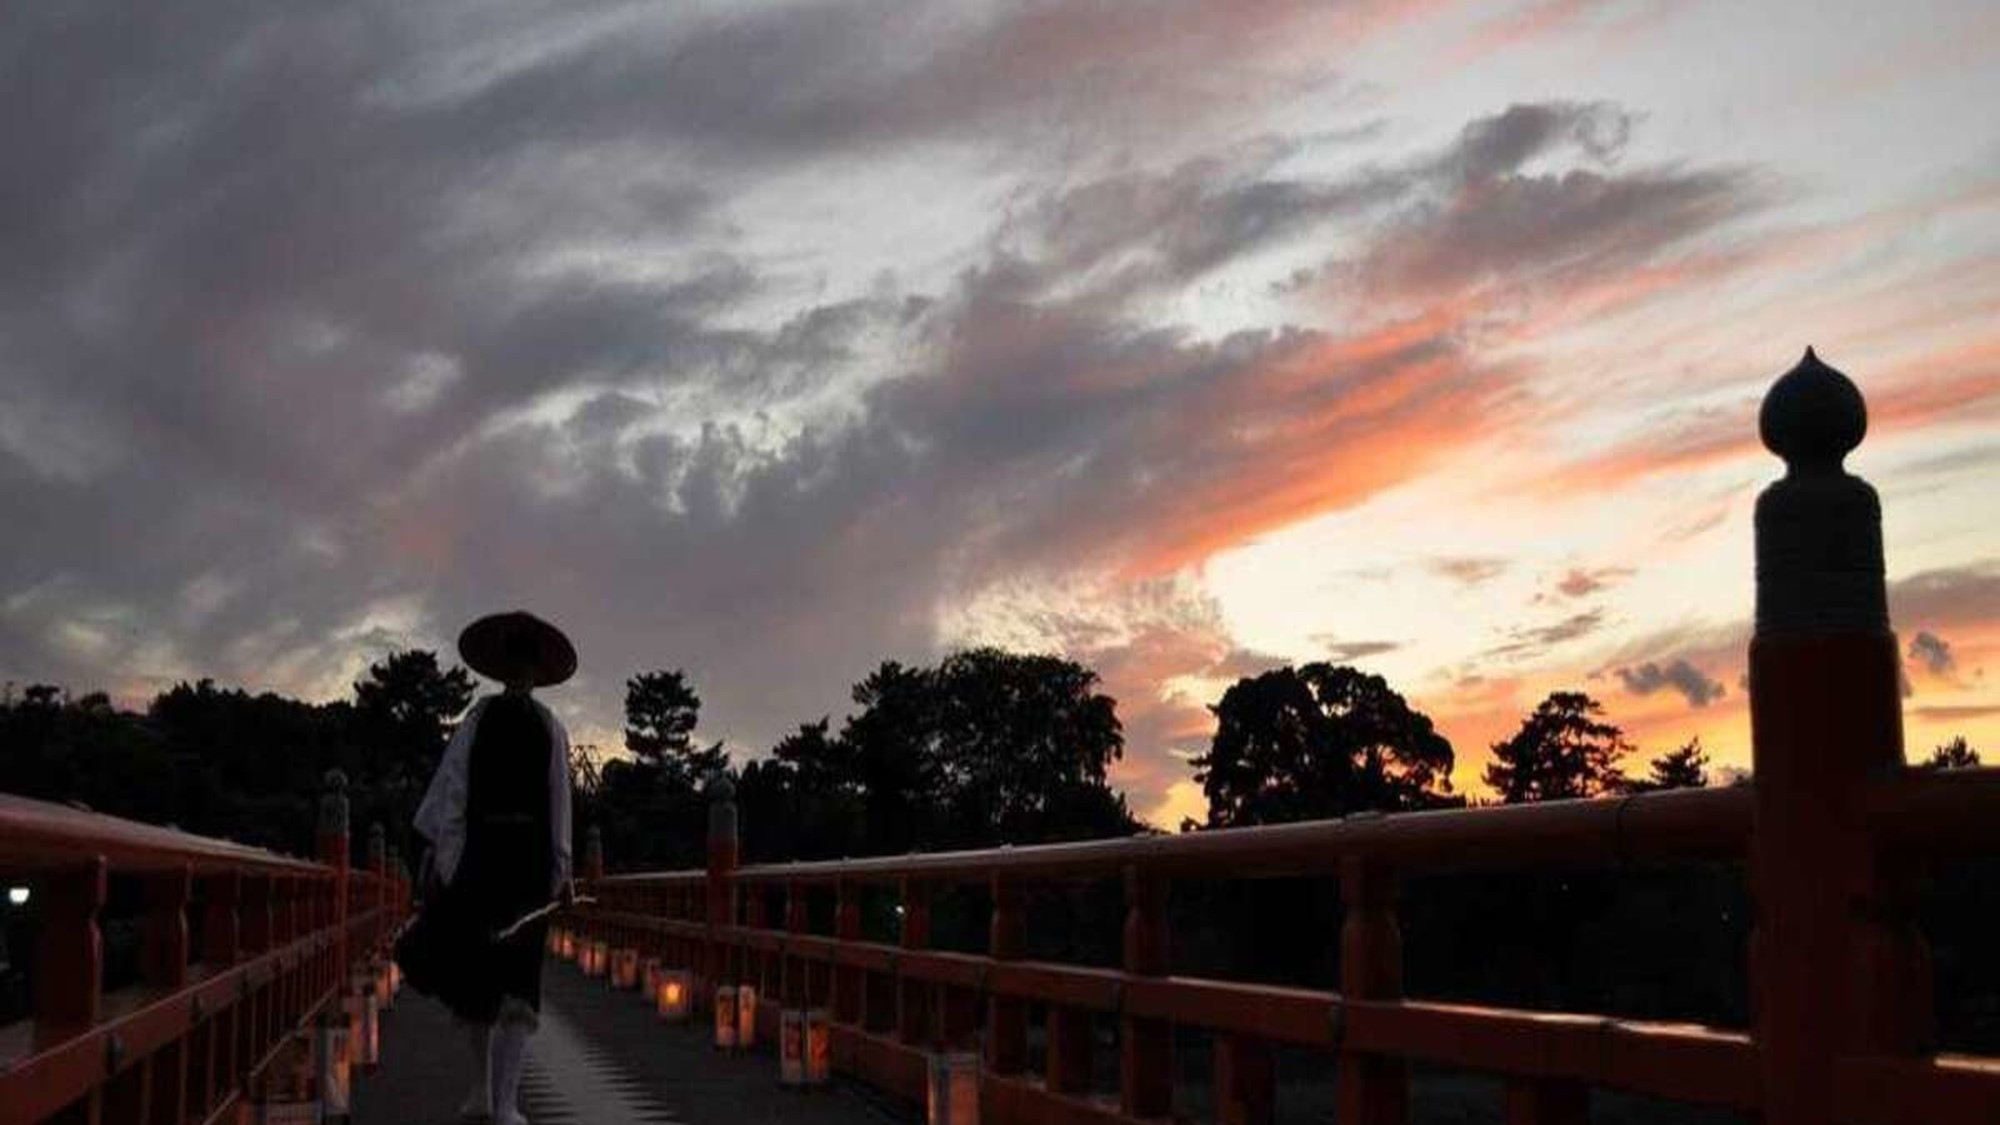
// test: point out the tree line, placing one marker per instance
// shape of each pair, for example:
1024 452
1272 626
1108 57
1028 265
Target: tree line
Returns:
988 747
982 748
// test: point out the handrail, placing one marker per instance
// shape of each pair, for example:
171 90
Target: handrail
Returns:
38 834
1678 824
278 938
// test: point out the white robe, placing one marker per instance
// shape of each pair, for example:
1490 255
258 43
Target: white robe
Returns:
441 816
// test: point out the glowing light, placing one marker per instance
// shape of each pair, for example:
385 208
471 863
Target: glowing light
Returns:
746 1016
17 895
725 1016
953 1090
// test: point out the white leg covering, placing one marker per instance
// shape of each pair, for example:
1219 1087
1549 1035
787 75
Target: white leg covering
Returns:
510 1049
478 1105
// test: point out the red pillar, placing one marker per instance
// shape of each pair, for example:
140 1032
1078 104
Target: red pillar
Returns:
1839 968
69 955
1007 1016
1146 1046
723 850
913 995
1372 1089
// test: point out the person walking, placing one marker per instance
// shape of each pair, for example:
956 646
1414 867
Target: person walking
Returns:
497 816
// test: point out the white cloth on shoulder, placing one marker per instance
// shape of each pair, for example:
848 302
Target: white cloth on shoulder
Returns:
441 816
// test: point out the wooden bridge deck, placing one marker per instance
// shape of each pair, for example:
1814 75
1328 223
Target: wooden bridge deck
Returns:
600 1058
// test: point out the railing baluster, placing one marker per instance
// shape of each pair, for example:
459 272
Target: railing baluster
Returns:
913 995
1068 1069
1007 1016
1372 1089
1146 1045
1246 1076
164 931
69 955
849 982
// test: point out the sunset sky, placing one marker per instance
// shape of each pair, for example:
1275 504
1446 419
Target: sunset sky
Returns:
1188 339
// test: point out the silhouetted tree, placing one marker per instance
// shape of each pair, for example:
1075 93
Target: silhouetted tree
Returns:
1319 741
404 710
1954 755
1021 741
1562 750
1685 768
660 714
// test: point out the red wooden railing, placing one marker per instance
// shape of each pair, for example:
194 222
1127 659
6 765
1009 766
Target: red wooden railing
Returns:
1832 832
277 939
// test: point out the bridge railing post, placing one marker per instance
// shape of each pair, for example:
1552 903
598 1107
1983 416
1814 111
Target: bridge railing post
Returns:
914 994
723 851
69 954
1146 1045
1838 967
1371 1089
1007 1016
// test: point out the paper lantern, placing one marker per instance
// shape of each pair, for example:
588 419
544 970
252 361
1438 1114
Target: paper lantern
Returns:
364 1029
746 1016
597 959
395 978
385 996
674 994
333 1070
285 1095
725 1016
953 1089
625 968
819 1047
568 950
649 979
555 940
792 1047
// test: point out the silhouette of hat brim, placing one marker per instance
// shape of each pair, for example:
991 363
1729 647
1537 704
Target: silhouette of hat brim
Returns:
507 646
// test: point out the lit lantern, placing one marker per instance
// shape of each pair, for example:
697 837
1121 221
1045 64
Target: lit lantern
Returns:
725 1015
819 1047
649 979
395 977
555 940
953 1089
746 1016
598 959
365 1030
673 994
792 1047
625 968
285 1093
385 996
332 1068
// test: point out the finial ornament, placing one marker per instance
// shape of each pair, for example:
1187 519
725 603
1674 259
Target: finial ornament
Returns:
1813 416
1819 529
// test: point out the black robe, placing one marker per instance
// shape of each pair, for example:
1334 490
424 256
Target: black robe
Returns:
505 870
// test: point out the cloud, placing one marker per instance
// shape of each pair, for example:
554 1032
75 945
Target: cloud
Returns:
1529 640
1347 652
1676 675
1580 582
329 329
1469 571
1933 654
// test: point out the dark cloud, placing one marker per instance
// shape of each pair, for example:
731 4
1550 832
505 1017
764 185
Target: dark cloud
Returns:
1346 652
1676 675
327 329
1532 640
1932 653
